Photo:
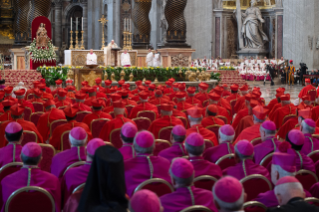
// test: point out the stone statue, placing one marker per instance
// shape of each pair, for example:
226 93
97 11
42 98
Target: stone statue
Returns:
113 77
163 23
253 34
122 74
131 77
218 4
42 37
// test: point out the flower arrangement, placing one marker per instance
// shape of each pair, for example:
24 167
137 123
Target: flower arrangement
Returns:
51 74
226 68
42 54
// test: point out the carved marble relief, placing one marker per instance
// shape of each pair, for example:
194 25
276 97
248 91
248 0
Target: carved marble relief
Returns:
180 60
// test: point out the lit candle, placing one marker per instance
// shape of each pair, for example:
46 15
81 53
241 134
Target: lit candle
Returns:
71 24
76 23
82 24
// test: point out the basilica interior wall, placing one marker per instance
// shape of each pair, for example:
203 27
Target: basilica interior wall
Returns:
301 32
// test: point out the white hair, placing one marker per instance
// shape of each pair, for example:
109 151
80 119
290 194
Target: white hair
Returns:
286 189
181 99
258 120
75 142
268 132
166 113
285 102
307 128
281 172
233 206
144 100
119 110
224 138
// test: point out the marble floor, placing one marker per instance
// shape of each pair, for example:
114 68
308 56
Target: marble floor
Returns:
269 92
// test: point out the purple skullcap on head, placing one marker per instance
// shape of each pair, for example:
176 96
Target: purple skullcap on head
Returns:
310 123
195 139
94 144
296 137
13 127
286 161
227 130
287 179
78 133
182 168
144 139
149 199
269 125
31 150
179 130
245 148
228 189
129 130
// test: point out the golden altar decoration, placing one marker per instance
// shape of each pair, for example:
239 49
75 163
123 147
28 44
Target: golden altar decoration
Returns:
85 74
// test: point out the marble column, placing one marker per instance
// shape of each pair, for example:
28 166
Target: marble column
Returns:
58 23
85 22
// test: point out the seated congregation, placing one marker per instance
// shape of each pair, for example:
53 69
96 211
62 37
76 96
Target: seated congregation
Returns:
157 149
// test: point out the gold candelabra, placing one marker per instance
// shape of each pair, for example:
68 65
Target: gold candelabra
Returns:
76 39
103 21
71 40
82 45
127 40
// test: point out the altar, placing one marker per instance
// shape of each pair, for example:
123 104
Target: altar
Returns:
85 74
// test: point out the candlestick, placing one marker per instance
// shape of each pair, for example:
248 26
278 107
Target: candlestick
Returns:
82 24
76 39
71 40
71 24
82 45
76 23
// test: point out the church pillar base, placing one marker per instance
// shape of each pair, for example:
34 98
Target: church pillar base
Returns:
261 53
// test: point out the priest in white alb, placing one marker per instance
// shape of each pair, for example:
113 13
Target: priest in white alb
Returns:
108 53
157 59
91 58
149 58
125 59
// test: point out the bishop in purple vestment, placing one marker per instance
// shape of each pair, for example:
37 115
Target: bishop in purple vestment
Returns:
195 146
178 136
31 175
226 136
308 127
62 160
185 195
11 152
144 166
145 200
244 152
269 144
297 139
78 175
128 132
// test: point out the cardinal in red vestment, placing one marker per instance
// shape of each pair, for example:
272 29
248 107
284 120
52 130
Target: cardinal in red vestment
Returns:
144 105
25 103
6 116
31 90
240 103
214 99
191 99
96 112
286 109
211 119
306 89
234 93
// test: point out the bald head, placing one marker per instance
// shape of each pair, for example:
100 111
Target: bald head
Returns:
287 191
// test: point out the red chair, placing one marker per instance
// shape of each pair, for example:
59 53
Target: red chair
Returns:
223 118
232 104
97 125
208 144
76 164
157 185
112 114
255 184
9 169
142 123
38 106
205 103
129 108
34 118
62 107
55 124
48 153
312 201
205 182
287 117
30 96
65 142
147 114
160 145
27 113
165 133
306 178
266 161
226 161
184 120
256 141
80 115
29 136
38 200
196 208
314 155
214 128
79 188
115 138
254 206
313 95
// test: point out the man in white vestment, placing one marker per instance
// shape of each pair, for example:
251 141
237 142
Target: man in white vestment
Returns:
125 59
91 58
281 61
149 58
108 53
157 59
